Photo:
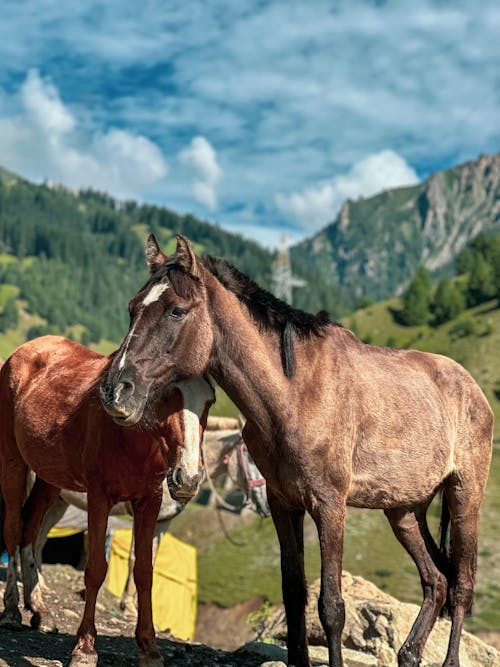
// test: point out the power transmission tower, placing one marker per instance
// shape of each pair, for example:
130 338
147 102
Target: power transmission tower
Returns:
283 281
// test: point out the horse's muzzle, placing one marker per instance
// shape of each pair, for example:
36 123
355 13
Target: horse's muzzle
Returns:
181 486
118 400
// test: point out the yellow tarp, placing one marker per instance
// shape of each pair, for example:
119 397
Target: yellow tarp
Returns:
63 532
174 581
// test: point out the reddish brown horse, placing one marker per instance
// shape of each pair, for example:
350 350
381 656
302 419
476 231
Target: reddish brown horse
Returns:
52 421
330 422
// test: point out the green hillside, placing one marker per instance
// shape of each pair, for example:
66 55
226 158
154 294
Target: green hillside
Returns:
76 258
72 260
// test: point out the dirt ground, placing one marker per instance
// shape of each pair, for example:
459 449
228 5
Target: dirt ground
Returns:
115 641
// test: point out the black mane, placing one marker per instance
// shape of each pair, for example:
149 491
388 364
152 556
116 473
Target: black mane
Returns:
270 312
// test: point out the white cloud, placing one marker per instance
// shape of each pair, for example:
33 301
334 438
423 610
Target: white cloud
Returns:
201 158
43 104
329 84
41 139
318 205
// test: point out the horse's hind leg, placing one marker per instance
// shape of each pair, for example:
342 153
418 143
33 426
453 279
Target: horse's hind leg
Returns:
289 527
13 485
464 515
330 520
41 498
52 516
411 530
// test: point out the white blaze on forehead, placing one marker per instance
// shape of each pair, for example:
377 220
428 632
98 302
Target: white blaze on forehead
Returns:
127 342
154 293
195 393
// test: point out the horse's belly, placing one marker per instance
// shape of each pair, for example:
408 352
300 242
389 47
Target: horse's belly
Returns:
53 463
401 485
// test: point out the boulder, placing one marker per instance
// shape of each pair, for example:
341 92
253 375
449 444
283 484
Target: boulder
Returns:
377 624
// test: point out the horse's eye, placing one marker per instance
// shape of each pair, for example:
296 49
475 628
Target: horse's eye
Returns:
177 313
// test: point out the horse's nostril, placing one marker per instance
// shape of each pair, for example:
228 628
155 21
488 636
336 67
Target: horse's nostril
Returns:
122 391
178 477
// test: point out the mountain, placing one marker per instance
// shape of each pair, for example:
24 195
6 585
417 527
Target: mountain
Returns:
374 246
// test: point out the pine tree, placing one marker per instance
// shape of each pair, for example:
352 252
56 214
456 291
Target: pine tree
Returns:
481 284
10 316
418 298
449 302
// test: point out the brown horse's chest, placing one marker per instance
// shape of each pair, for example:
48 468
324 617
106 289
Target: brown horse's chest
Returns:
282 467
127 470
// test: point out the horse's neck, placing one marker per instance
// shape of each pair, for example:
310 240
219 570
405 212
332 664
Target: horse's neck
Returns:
247 361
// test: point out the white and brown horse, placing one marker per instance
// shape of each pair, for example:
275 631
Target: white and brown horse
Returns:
331 422
52 421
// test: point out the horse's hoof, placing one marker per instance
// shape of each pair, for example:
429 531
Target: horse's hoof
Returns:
408 659
150 659
81 659
11 619
43 622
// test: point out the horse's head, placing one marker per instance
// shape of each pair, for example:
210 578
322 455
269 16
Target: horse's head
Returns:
183 417
170 335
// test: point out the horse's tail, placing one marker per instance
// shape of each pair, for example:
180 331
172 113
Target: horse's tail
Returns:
445 548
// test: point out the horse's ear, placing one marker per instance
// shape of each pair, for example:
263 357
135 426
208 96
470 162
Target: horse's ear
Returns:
154 256
185 257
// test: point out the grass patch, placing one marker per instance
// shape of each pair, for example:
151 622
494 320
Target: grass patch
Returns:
8 292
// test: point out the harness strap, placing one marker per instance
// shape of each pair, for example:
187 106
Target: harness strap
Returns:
242 460
220 500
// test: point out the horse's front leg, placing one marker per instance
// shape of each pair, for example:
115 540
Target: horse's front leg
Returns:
289 526
330 518
145 516
99 507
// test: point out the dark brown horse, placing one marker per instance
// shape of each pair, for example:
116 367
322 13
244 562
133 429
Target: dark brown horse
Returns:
52 421
331 422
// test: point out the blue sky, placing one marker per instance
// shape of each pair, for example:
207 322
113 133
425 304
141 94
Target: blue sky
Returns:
260 116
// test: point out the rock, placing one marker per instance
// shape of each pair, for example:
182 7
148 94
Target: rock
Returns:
377 624
318 655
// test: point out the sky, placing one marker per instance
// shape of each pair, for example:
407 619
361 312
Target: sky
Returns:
262 117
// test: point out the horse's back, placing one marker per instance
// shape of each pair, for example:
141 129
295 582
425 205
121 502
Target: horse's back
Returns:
48 363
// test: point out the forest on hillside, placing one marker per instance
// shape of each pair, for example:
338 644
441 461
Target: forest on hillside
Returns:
73 259
77 258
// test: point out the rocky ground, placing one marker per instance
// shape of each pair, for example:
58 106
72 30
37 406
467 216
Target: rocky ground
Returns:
375 626
115 643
